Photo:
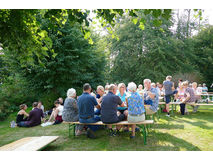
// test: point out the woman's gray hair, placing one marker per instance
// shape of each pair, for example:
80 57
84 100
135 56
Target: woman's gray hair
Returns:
132 86
147 80
120 85
71 92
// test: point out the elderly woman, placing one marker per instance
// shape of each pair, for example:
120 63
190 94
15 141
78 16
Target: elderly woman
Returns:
101 93
189 97
140 89
135 106
70 112
121 93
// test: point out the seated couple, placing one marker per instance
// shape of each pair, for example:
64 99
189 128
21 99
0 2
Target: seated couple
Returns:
33 119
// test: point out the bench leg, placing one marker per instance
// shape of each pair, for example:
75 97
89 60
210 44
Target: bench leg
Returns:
69 128
144 134
74 130
172 109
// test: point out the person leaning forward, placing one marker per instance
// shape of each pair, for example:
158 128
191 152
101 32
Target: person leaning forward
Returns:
109 111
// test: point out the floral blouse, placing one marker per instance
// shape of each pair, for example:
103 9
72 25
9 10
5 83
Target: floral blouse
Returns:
135 104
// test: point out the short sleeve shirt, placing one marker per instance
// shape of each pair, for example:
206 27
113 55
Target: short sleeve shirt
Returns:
123 99
155 101
109 108
86 104
168 87
191 93
135 104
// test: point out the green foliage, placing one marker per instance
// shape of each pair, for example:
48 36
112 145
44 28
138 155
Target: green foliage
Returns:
204 50
14 92
149 53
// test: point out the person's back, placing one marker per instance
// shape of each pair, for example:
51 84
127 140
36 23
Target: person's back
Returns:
191 93
135 104
109 108
168 87
86 104
35 117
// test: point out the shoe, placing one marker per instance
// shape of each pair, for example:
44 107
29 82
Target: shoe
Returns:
132 137
111 132
168 115
116 133
137 130
90 134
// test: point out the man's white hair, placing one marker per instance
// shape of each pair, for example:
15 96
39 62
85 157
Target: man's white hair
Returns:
71 92
147 80
132 86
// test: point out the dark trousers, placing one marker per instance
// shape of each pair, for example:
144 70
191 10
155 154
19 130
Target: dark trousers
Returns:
182 108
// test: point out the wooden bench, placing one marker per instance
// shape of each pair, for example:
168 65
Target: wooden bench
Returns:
141 125
191 104
29 143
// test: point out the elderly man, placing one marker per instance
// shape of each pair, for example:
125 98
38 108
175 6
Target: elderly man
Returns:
109 112
86 103
151 97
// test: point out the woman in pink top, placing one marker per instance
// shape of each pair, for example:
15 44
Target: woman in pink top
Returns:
180 95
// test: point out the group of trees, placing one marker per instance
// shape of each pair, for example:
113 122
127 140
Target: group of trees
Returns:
156 52
48 51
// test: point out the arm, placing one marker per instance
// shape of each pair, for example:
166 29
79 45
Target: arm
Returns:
126 103
187 97
151 95
173 86
98 106
26 114
56 112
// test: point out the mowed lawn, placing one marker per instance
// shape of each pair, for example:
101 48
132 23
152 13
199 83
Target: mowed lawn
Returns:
192 132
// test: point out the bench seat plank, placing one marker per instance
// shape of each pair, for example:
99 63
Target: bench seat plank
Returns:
199 104
119 123
29 143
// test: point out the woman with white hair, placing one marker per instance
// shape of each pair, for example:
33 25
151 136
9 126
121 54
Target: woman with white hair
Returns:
70 112
135 106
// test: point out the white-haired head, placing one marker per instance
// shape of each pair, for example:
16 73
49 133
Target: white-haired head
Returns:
120 85
169 78
71 92
147 81
153 85
132 87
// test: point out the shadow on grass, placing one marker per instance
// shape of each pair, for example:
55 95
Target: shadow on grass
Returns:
156 141
168 126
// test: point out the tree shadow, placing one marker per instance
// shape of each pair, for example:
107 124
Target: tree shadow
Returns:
178 143
168 126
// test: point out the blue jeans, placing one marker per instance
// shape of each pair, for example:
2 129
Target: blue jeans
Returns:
98 112
91 120
22 124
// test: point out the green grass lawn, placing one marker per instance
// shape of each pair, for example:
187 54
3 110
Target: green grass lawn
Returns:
192 132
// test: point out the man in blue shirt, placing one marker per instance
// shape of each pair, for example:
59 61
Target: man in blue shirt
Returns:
86 104
109 111
151 97
168 85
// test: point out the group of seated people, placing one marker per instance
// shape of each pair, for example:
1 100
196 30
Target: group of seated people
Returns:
184 93
112 105
36 115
